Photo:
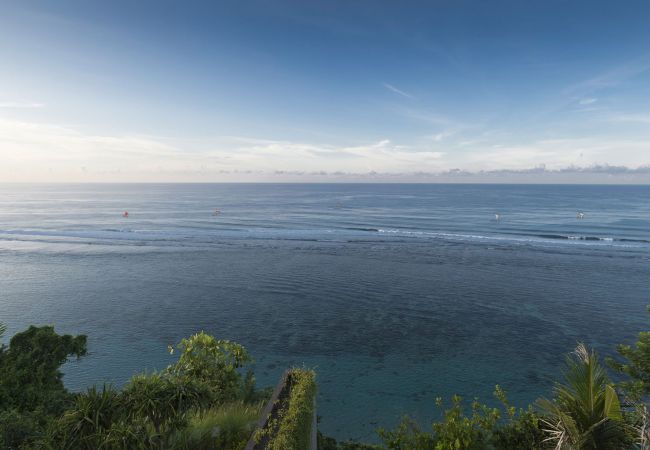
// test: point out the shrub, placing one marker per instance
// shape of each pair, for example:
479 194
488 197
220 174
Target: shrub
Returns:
163 402
86 423
484 428
226 427
407 436
292 428
17 428
216 363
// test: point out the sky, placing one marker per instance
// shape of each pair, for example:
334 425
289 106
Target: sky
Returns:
171 91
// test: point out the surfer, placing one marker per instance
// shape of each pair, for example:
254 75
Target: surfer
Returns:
497 217
125 214
580 215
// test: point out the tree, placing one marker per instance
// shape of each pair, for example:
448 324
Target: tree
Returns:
585 413
213 361
29 372
31 385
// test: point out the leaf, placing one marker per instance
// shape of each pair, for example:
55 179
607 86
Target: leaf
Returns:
612 404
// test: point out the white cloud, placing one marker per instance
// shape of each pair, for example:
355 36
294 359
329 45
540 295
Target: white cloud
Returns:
555 154
614 76
17 105
587 101
632 118
392 88
45 152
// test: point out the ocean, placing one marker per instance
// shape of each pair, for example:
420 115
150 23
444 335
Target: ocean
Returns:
395 293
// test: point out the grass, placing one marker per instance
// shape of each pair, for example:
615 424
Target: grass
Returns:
226 427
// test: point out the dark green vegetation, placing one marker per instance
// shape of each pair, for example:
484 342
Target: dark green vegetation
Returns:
292 427
207 400
179 407
587 412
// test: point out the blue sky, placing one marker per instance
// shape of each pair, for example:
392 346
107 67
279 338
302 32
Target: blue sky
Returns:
320 91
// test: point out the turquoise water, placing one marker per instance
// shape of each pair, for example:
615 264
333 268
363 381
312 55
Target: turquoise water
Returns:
396 294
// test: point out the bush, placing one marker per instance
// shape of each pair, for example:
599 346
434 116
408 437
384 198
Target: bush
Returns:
407 436
19 428
86 423
292 428
226 427
216 363
484 428
163 402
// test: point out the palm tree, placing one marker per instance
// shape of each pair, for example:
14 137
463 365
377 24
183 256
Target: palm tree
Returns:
585 413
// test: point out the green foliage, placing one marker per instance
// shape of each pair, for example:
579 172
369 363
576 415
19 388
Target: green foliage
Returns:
292 428
176 408
458 431
214 362
30 378
163 402
226 427
153 411
407 436
204 402
483 428
249 391
585 413
19 427
98 419
521 430
31 386
636 367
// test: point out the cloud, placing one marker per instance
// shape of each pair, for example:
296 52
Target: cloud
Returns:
592 169
392 88
632 118
21 105
537 174
47 152
439 137
557 153
614 76
587 101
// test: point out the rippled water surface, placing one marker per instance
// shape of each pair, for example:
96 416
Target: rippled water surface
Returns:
394 293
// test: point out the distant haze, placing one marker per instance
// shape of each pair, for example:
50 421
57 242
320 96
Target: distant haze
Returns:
367 91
